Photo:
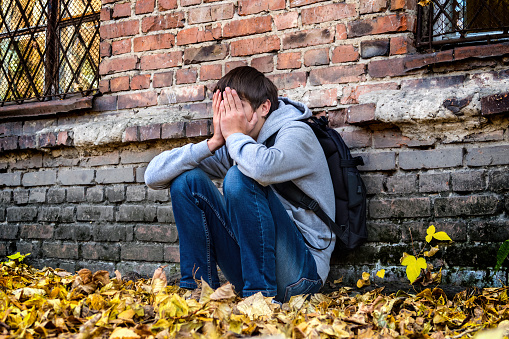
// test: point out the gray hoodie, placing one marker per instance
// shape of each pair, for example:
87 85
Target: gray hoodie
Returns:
296 155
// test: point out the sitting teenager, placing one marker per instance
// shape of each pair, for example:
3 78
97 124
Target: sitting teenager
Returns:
254 235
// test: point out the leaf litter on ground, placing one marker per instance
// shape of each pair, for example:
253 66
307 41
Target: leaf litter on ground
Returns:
53 303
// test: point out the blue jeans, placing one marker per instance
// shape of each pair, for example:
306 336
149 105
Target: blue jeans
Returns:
247 233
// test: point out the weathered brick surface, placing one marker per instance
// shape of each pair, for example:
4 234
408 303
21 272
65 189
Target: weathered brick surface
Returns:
135 193
488 230
110 233
21 197
499 180
336 75
374 183
145 252
465 206
36 231
450 157
10 179
468 181
377 161
94 213
39 178
60 250
73 232
95 194
487 156
400 208
100 251
114 175
9 231
55 195
75 194
156 233
115 193
402 184
434 182
165 214
15 214
76 177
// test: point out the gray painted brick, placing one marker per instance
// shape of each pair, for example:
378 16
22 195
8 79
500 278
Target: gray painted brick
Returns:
50 213
112 158
158 195
471 205
115 175
132 157
60 250
37 231
468 181
402 183
140 174
434 182
73 232
55 195
15 214
150 213
5 196
437 158
76 177
488 230
156 233
21 197
145 252
37 195
100 251
165 214
10 179
374 183
2 215
94 213
384 232
67 214
109 233
172 254
9 231
95 194
499 180
400 208
487 156
131 213
32 247
75 194
115 193
136 193
40 178
384 161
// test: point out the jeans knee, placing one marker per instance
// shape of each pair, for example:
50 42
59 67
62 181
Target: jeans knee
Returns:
182 183
235 183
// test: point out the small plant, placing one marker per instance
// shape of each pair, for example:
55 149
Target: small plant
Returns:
415 264
15 259
502 254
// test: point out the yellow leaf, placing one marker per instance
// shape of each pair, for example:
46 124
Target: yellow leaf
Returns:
365 276
127 314
413 267
223 292
124 333
381 273
430 232
431 252
254 306
442 236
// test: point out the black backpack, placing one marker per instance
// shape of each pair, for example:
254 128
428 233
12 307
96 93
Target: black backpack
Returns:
349 189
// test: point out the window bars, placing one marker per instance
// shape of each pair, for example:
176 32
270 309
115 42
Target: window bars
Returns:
450 22
48 49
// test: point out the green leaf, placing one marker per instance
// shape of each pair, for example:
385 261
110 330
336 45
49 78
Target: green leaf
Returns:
502 254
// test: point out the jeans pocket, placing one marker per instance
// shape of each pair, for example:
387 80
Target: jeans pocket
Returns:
302 286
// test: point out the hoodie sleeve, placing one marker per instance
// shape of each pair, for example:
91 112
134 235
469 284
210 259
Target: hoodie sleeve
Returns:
168 165
290 158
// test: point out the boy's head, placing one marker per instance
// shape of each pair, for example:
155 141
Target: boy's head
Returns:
251 86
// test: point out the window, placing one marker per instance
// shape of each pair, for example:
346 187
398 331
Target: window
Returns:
48 48
443 23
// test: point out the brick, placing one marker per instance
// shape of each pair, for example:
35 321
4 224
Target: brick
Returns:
468 181
5 196
100 251
76 177
357 138
55 195
286 20
45 140
380 25
374 183
252 46
263 64
305 38
10 179
37 195
197 128
36 231
122 10
288 80
156 233
8 129
344 53
488 230
196 34
316 57
159 61
487 136
139 99
121 46
165 5
8 143
15 214
288 60
210 13
114 175
120 64
402 184
393 138
171 254
173 130
141 81
158 195
332 12
76 194
372 6
94 213
436 82
64 138
190 2
60 250
321 98
402 45
182 94
384 161
131 213
147 6
140 173
383 232
419 61
165 214
400 208
162 79
351 94
40 178
247 7
465 206
138 156
120 29
386 67
372 48
105 49
27 142
298 3
153 42
148 252
135 193
403 4
186 76
480 51
494 104
21 197
150 132
35 161
162 22
210 72
105 103
115 193
254 25
438 158
487 156
228 66
499 180
9 231
110 233
361 114
341 33
336 74
95 194
111 158
50 214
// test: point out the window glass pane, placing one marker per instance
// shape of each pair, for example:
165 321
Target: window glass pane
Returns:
76 8
22 14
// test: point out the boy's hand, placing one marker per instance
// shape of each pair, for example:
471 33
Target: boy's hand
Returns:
233 115
217 140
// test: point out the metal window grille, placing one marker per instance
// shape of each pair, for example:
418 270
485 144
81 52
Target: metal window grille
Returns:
442 23
48 49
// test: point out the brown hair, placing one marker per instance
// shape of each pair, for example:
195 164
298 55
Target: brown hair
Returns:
251 85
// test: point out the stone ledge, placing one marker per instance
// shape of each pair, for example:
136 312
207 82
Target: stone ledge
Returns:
45 108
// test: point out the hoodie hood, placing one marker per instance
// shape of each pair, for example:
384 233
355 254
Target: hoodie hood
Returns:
288 110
